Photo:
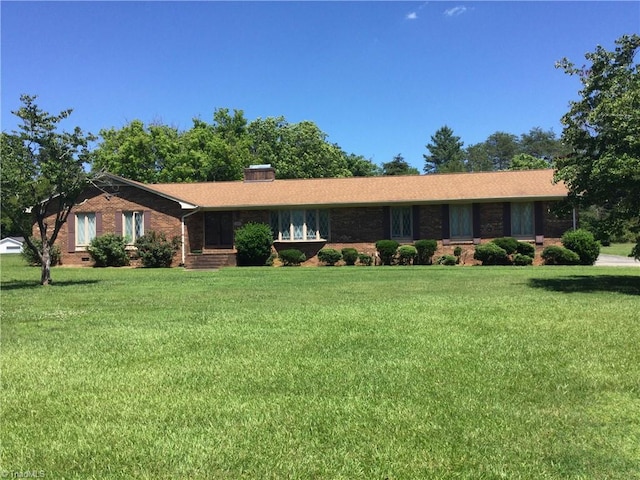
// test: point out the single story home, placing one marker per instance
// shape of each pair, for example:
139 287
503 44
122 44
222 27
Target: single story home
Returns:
460 208
11 245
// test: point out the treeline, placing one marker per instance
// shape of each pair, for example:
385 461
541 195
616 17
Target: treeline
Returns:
220 150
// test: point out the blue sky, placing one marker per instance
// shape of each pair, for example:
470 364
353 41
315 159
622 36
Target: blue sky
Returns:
379 78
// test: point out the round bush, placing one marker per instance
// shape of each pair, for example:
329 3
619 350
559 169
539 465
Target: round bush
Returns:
329 256
406 254
291 257
556 255
508 244
448 260
108 250
155 250
526 249
426 249
491 254
365 259
522 260
457 251
584 244
387 250
34 260
253 243
349 255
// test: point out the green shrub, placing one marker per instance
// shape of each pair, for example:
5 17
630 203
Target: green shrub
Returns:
457 251
34 260
635 251
108 250
407 254
253 243
584 244
387 250
349 255
522 260
426 249
527 249
365 259
155 250
491 254
556 255
291 257
448 260
329 256
508 244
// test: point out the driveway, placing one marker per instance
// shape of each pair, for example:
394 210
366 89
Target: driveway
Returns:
616 261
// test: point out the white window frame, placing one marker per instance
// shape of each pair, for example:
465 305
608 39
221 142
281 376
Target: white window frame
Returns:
518 217
454 230
85 228
129 217
406 231
285 230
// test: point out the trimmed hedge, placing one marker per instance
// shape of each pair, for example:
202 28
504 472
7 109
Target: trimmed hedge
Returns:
449 260
291 257
253 243
329 256
584 244
522 260
387 250
365 259
491 254
556 255
349 255
407 254
426 249
508 244
526 249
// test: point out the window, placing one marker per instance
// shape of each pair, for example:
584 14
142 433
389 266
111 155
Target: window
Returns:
300 225
85 228
401 226
460 221
133 223
522 220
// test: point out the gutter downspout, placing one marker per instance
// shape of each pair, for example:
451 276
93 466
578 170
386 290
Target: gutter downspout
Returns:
184 255
574 217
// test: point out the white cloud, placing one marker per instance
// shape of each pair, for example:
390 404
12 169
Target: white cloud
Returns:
455 11
412 16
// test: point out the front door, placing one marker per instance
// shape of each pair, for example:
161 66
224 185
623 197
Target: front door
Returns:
218 230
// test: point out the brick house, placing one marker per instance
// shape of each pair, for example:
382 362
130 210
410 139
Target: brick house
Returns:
455 209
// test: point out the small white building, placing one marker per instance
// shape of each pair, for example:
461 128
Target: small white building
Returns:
11 245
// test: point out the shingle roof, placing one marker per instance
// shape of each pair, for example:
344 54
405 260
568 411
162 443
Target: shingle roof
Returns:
418 189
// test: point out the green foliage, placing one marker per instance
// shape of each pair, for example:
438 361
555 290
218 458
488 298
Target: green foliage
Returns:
603 130
407 254
34 260
635 252
108 250
253 243
446 154
398 166
457 251
349 255
491 254
329 256
527 249
522 260
583 243
524 161
42 175
155 250
291 257
365 259
448 260
387 250
508 244
556 255
426 249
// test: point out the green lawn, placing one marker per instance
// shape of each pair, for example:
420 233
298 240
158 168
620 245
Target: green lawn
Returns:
345 372
621 249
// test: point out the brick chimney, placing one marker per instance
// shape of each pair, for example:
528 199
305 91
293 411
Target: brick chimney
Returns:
260 173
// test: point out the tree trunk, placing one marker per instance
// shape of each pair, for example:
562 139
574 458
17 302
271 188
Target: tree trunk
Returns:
45 278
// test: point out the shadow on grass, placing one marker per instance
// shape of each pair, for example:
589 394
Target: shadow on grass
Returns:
625 284
25 284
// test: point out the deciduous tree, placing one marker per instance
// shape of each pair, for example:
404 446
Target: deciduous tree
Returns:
42 176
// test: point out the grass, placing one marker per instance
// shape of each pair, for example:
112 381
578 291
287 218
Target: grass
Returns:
347 372
620 249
